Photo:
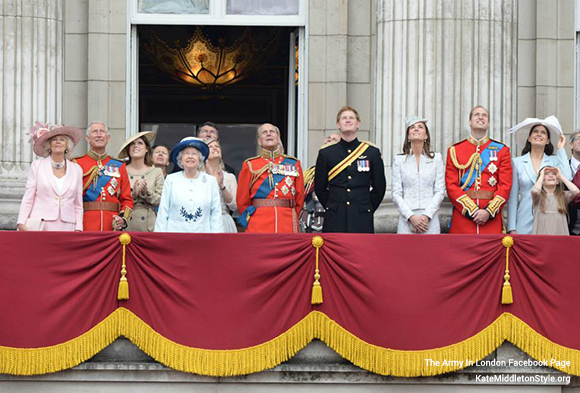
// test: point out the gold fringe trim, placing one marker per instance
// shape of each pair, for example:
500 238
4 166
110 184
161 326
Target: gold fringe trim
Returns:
223 363
33 361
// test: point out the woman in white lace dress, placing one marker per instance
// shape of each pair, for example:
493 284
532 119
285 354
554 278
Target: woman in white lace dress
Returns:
418 181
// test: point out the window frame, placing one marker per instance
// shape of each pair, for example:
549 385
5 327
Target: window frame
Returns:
217 16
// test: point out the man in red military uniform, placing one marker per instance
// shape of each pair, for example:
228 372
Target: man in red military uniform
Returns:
270 187
479 178
107 200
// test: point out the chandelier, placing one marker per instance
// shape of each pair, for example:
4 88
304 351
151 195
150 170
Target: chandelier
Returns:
200 63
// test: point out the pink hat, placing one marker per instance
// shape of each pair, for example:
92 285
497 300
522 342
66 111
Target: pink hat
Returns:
40 133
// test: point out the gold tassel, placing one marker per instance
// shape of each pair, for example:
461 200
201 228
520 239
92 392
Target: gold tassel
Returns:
316 287
506 292
123 293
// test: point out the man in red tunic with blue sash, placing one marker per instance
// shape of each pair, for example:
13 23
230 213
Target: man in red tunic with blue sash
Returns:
107 200
270 187
479 179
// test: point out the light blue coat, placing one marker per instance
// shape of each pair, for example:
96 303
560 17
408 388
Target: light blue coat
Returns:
520 217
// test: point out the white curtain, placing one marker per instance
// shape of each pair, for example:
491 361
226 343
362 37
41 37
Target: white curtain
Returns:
262 7
174 6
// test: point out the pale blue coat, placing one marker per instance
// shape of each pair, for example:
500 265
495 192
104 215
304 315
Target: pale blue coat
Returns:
520 216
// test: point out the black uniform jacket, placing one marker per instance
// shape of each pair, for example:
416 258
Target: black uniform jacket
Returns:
351 198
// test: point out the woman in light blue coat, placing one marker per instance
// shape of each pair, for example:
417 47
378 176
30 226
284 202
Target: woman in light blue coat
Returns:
536 136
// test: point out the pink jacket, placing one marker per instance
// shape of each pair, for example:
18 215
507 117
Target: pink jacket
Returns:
41 199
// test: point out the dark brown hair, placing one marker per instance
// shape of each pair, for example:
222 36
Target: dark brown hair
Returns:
426 145
548 149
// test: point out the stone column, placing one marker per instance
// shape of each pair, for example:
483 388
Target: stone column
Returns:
31 60
438 59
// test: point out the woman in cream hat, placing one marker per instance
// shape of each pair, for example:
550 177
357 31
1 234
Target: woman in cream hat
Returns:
536 138
146 180
418 181
53 200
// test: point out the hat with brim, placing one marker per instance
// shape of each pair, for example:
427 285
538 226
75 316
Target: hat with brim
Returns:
41 133
522 130
190 141
149 135
410 120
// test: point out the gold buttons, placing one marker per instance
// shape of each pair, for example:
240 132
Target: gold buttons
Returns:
349 177
348 203
348 190
350 151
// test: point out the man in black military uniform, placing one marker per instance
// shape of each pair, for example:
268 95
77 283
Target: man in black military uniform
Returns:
350 179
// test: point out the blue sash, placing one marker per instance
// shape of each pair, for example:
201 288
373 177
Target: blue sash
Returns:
262 193
485 160
92 193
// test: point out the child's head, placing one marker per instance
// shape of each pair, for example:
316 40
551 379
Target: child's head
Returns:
551 185
550 176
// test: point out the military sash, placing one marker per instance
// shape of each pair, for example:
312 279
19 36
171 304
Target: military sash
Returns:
92 193
348 160
487 155
263 191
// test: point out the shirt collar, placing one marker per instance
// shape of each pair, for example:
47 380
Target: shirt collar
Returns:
96 156
349 145
271 155
574 165
477 142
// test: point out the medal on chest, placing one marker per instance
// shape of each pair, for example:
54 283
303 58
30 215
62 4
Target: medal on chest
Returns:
285 170
363 165
112 171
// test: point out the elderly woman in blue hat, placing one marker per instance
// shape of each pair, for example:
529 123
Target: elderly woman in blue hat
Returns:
418 181
190 201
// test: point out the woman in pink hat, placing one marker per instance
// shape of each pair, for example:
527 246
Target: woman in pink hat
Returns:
53 200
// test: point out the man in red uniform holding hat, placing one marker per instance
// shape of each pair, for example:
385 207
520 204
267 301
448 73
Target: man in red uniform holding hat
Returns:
270 187
479 178
107 198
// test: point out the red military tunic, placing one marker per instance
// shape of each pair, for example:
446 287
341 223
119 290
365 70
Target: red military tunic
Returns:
490 188
273 185
114 198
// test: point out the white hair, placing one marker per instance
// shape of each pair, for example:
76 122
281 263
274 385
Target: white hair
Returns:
260 129
96 122
69 145
180 154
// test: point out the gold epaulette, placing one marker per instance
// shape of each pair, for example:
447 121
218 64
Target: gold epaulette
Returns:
251 158
287 156
328 144
497 141
370 143
309 174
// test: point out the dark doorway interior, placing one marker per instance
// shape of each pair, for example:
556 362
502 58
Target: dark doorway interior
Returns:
175 109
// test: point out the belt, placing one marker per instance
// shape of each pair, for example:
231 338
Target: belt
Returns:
108 206
274 203
479 194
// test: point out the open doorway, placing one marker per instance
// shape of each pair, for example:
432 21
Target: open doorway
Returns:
175 101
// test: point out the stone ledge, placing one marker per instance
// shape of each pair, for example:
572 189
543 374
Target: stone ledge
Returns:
315 364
